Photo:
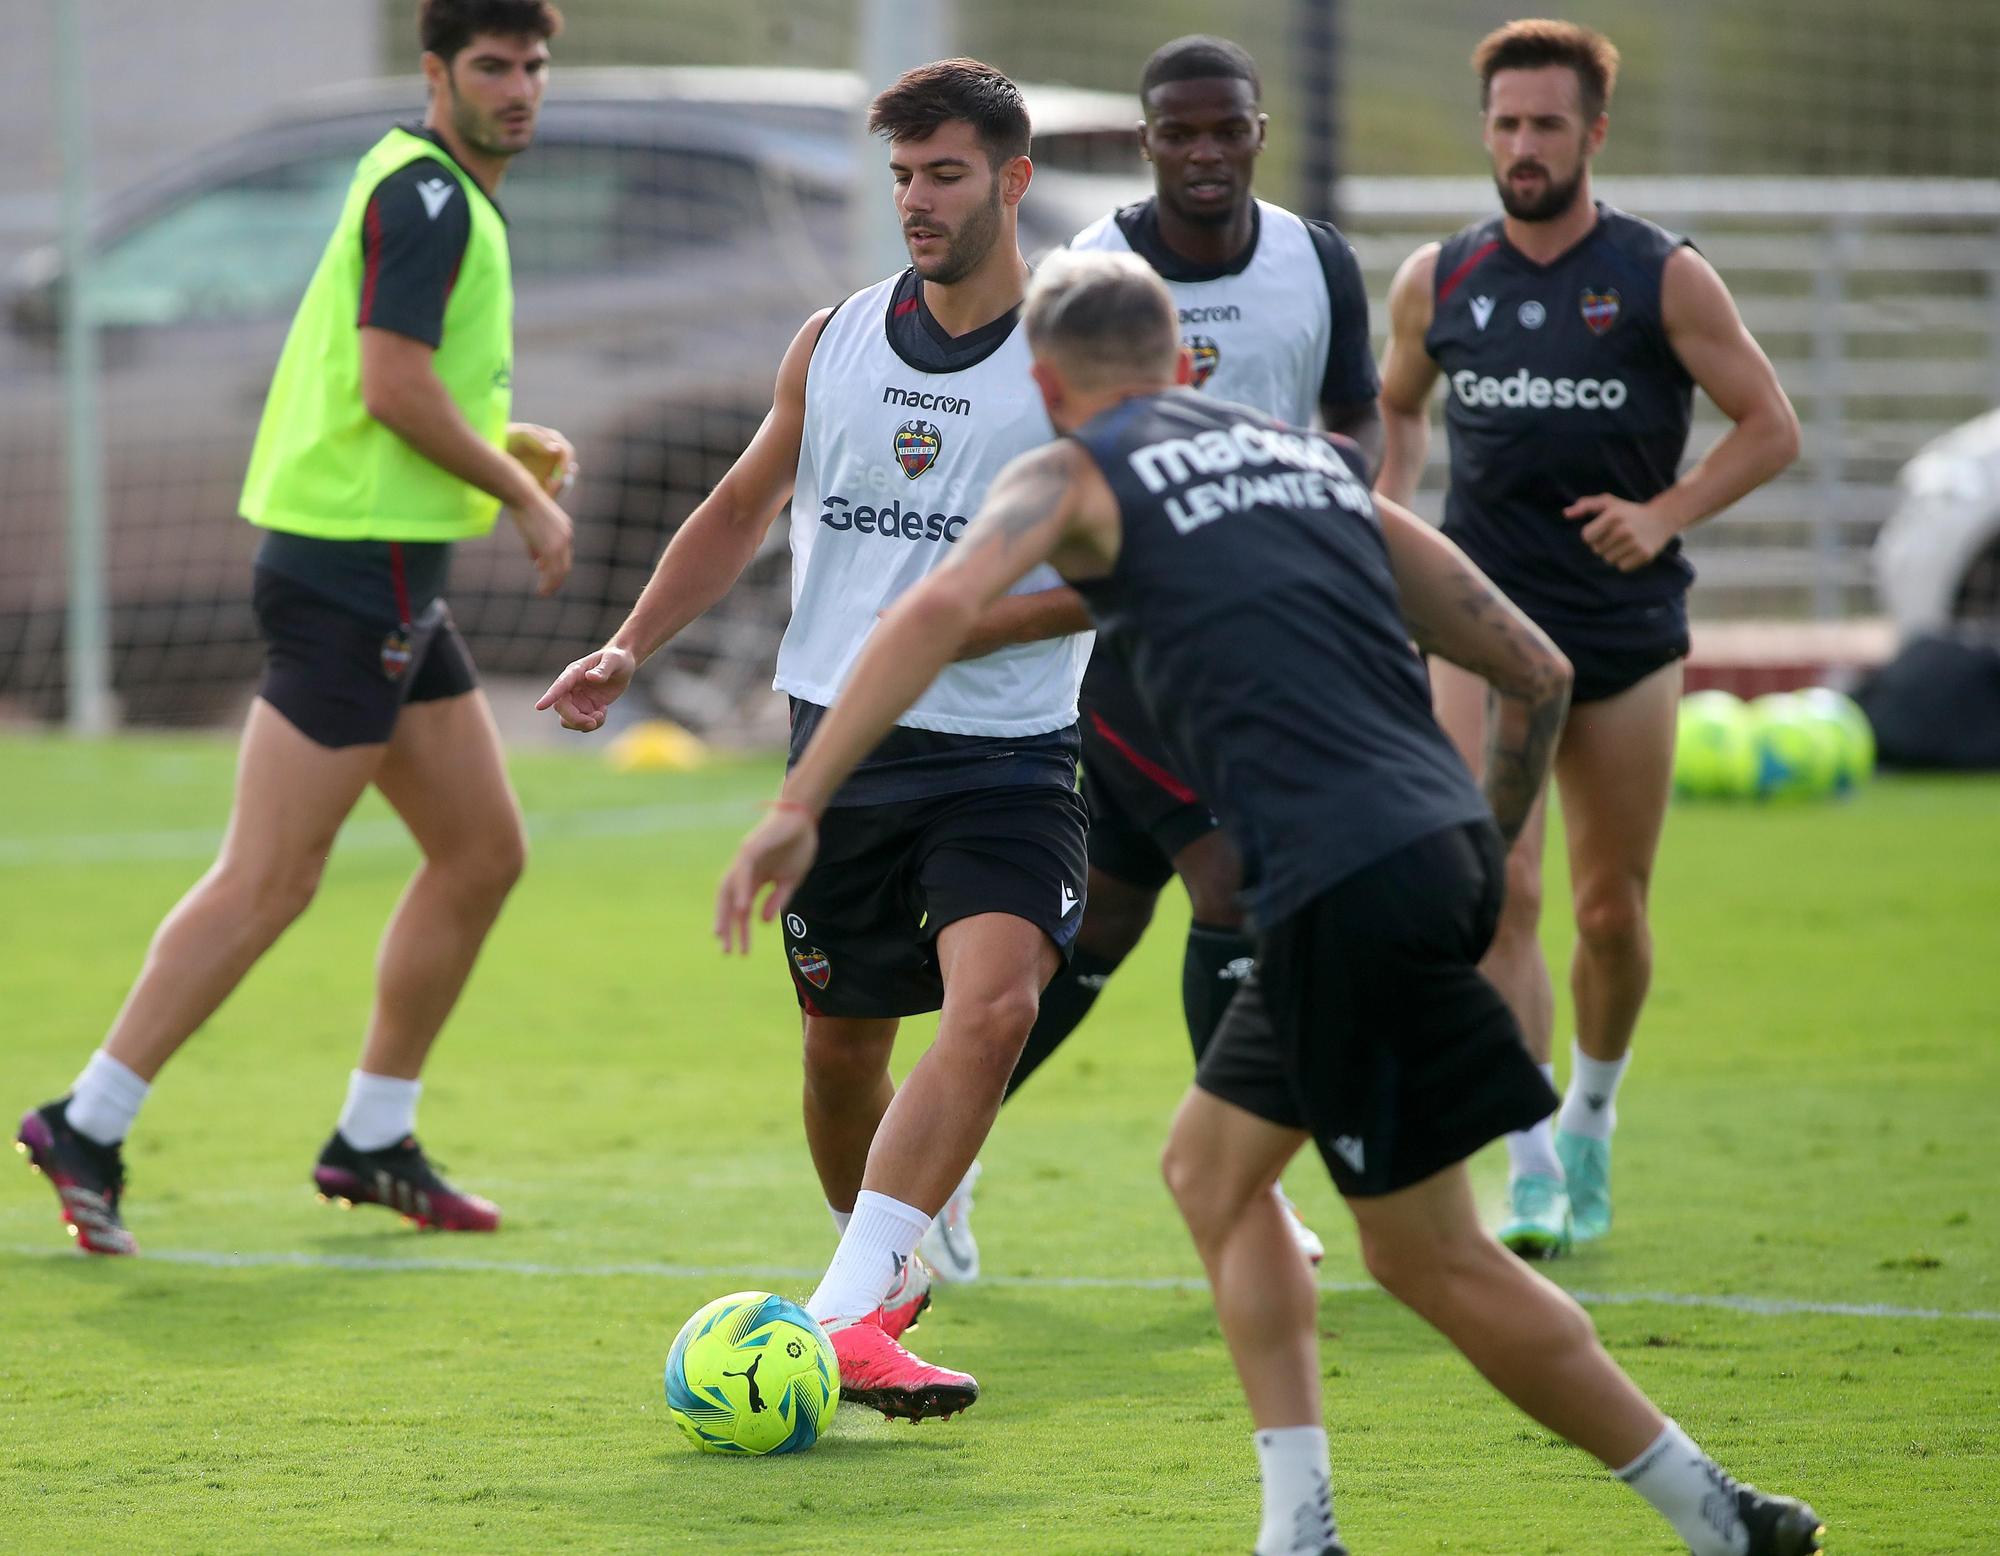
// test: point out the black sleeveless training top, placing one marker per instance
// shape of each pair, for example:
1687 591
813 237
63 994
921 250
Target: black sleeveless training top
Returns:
1561 384
1253 603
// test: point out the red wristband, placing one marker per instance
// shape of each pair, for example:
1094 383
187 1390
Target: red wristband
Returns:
797 805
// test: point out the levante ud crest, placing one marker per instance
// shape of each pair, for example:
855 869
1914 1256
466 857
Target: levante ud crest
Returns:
917 445
814 965
1600 310
396 655
1205 355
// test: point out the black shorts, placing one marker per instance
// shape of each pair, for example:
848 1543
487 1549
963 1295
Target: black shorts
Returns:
1616 652
1369 1025
1141 812
340 678
861 932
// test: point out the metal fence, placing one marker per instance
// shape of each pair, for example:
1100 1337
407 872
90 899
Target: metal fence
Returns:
1878 298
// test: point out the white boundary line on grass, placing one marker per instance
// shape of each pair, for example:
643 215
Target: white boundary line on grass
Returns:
202 842
1762 1307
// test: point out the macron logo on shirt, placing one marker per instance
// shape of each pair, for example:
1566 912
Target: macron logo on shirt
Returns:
436 193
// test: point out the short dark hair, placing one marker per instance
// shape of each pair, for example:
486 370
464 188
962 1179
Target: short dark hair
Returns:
1199 57
924 99
1536 42
446 26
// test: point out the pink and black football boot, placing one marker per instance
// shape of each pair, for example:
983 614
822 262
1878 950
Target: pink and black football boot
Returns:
877 1372
401 1177
89 1179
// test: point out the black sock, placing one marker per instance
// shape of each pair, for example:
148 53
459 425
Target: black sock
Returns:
1065 1002
1211 973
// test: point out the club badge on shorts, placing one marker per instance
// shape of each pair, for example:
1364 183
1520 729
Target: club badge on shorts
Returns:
813 966
396 655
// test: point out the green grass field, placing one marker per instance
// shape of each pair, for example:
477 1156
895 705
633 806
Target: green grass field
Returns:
1810 1125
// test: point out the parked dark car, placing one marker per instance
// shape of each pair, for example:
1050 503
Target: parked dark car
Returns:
670 229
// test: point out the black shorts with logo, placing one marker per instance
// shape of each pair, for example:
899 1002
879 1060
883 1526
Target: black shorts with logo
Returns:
340 677
1141 812
861 931
1369 1025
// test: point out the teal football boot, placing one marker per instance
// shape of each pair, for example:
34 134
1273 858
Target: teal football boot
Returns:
1538 1219
1587 1166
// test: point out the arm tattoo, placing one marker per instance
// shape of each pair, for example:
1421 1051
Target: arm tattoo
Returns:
1480 631
1036 489
1524 719
1520 744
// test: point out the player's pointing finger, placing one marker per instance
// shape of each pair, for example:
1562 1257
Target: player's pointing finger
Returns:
558 688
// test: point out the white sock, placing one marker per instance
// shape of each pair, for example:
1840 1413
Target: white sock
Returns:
1686 1486
105 1099
878 1241
1298 1492
840 1219
1590 1107
380 1110
1533 1150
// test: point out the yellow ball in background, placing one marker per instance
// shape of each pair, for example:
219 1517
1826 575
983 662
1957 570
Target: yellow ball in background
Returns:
656 746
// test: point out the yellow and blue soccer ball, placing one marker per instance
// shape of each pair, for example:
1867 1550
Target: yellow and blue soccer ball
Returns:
1800 750
1716 755
1854 736
752 1373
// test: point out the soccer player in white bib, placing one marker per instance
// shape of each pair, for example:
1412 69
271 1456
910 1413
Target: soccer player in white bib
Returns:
1274 316
953 872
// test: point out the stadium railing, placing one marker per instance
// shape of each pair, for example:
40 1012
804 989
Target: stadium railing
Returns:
1877 299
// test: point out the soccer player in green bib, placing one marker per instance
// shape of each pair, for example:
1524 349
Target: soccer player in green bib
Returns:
385 439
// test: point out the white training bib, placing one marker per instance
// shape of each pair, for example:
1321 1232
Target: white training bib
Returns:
893 464
1259 337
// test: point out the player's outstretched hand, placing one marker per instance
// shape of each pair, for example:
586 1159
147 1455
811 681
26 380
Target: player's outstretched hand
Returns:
777 853
1625 534
583 694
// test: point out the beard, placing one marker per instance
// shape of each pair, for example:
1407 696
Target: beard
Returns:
484 135
1555 199
968 247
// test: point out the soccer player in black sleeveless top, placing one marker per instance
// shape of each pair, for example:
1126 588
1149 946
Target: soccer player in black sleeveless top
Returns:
1571 337
1241 570
1252 283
